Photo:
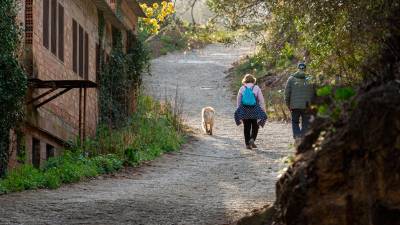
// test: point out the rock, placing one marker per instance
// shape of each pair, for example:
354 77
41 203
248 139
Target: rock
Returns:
262 216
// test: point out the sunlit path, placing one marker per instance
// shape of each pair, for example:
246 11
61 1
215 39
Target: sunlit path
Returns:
212 180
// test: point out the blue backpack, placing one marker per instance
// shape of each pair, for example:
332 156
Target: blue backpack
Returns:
248 97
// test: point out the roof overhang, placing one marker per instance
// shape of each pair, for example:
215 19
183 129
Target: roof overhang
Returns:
37 83
109 14
136 8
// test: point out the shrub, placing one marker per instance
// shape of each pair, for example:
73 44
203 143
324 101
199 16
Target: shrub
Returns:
171 43
132 156
3 189
52 178
107 164
68 168
151 131
25 177
332 100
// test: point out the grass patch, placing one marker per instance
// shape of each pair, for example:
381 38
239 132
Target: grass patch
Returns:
180 36
154 129
171 43
209 33
68 168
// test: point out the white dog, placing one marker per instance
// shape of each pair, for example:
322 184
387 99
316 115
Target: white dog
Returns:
207 115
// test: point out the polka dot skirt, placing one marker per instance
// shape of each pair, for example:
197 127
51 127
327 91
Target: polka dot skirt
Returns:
250 112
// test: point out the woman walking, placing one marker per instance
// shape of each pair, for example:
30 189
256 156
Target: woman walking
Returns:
250 110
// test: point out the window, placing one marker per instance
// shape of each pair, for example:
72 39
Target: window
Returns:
61 32
53 27
80 51
97 63
49 151
46 23
74 46
86 63
35 152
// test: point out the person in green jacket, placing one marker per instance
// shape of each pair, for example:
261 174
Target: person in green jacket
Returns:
299 93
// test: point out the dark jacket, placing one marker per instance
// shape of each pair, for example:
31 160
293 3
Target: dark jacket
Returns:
299 91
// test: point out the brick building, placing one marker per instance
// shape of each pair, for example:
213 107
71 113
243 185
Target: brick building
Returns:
60 54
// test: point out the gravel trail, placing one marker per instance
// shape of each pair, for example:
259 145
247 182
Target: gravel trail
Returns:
212 180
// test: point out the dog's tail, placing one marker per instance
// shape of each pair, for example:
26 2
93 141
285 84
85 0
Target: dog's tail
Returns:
203 122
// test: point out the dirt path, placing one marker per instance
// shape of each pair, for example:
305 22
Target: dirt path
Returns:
213 180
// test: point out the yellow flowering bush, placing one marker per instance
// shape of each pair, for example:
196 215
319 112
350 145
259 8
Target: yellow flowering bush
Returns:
156 15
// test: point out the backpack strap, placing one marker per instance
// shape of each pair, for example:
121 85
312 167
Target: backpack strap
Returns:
252 90
245 87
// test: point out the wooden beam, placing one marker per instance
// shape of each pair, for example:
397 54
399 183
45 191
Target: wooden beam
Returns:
41 96
52 97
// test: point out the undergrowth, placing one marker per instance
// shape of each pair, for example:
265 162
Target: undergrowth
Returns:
68 168
181 35
154 129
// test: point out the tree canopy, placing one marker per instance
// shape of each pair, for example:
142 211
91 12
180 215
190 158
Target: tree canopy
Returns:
334 37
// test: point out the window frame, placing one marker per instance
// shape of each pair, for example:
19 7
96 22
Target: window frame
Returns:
53 28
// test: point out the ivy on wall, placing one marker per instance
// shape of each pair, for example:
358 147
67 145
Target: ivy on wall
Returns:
13 80
120 77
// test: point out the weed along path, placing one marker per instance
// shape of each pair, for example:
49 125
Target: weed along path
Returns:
212 180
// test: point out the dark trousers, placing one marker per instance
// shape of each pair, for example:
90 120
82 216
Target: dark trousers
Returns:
305 117
250 130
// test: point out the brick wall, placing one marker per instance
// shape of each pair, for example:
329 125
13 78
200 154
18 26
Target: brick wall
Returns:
129 17
58 121
48 66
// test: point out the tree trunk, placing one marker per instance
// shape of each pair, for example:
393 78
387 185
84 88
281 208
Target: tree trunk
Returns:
192 12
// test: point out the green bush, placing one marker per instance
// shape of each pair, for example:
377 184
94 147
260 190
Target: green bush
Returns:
150 132
210 34
52 178
155 131
3 189
25 177
333 100
132 156
181 35
68 168
107 164
171 43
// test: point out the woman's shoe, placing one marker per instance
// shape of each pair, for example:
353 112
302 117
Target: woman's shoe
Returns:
248 147
251 143
297 142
